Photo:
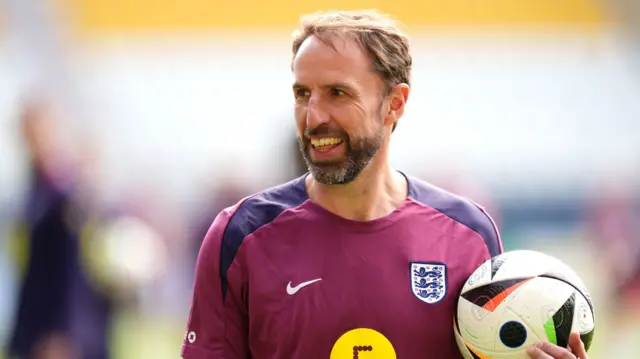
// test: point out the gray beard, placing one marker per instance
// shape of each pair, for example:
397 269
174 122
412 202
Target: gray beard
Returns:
359 154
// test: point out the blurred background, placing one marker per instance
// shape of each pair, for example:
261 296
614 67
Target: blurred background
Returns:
126 125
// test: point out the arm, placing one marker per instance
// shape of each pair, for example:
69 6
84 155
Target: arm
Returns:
217 325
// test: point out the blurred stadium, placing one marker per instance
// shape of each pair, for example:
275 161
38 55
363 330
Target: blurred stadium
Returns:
166 111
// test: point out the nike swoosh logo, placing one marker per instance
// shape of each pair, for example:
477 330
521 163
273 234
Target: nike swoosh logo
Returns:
293 290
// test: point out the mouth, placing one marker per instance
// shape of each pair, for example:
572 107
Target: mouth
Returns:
325 144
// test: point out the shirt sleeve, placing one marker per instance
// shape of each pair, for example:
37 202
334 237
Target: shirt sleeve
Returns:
217 324
491 235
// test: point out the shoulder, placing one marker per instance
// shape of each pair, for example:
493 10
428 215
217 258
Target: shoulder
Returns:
263 207
459 209
235 223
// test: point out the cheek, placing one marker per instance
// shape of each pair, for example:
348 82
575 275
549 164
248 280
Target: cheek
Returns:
376 118
349 118
362 117
362 124
300 115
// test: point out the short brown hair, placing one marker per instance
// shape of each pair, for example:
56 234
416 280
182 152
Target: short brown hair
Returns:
378 34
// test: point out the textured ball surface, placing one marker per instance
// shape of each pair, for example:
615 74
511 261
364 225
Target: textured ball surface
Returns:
516 299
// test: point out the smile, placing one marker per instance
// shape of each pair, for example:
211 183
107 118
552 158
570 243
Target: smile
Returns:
325 144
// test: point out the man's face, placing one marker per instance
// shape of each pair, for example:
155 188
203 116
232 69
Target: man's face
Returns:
339 109
37 129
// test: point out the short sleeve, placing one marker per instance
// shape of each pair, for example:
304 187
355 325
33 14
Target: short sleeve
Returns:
490 234
217 324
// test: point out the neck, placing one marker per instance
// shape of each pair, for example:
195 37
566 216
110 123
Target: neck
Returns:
377 191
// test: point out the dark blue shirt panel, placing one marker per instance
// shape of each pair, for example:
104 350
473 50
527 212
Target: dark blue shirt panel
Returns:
459 209
255 212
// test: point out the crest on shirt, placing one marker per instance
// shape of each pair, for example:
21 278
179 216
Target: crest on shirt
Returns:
429 281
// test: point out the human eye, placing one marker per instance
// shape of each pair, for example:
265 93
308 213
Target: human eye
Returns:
337 92
301 93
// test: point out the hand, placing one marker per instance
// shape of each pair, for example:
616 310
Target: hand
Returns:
546 350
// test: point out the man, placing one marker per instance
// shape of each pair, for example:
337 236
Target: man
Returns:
320 267
59 313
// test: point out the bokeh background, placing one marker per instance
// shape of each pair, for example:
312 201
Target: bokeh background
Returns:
151 116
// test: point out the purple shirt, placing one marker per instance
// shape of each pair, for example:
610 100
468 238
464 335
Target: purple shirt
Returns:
280 277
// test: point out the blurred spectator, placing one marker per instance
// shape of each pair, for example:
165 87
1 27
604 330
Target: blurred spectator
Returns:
615 229
60 314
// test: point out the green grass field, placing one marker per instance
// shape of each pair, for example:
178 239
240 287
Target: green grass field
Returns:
135 337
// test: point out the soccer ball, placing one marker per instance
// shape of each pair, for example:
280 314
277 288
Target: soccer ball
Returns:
516 299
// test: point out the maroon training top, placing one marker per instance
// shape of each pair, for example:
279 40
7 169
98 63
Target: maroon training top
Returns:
279 277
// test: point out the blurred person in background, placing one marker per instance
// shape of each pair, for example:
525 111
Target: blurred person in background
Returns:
615 230
310 268
60 313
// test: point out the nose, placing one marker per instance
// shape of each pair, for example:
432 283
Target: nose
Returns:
316 113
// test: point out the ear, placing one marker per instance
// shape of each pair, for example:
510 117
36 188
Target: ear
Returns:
397 98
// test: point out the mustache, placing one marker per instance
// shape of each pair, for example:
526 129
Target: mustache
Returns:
325 130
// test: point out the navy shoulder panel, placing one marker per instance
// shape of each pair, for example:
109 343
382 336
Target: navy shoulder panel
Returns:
460 209
254 212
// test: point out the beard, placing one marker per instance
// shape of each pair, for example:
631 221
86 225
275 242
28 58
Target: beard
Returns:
359 153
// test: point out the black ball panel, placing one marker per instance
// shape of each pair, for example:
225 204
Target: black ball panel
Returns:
513 334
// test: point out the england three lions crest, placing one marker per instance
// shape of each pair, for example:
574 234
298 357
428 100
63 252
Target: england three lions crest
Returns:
429 281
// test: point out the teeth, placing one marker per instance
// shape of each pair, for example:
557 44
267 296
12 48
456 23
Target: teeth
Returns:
327 141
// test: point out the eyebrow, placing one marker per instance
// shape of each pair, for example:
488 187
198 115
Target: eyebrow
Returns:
340 85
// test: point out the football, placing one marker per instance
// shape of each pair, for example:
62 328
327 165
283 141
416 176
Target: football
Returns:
516 299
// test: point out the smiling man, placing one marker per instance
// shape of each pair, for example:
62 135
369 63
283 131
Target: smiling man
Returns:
353 259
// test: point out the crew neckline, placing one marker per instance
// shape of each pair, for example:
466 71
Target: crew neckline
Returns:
373 225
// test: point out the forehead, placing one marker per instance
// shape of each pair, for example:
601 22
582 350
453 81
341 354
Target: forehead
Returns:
342 60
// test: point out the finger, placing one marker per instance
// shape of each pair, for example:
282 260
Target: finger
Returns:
577 346
555 351
536 353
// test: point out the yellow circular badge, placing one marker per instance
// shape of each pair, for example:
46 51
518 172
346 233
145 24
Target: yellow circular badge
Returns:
363 343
